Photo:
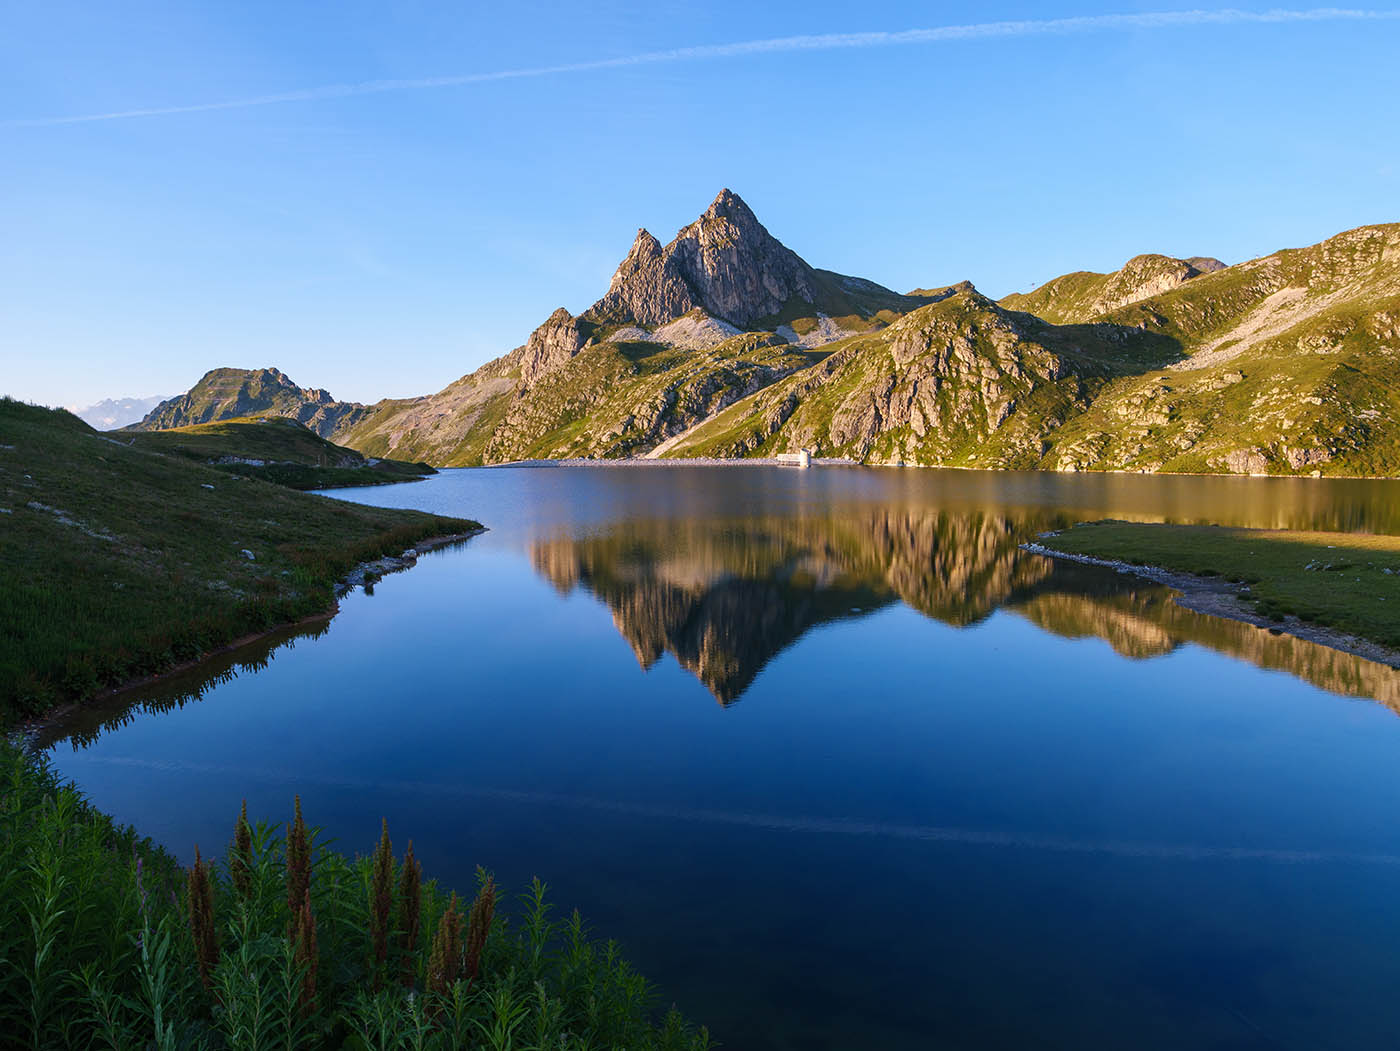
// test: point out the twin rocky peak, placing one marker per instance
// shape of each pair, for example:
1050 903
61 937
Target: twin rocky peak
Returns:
726 266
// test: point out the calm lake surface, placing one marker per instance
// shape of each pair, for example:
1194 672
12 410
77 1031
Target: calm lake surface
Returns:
836 763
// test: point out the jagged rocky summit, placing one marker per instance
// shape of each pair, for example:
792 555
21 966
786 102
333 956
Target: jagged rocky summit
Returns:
724 342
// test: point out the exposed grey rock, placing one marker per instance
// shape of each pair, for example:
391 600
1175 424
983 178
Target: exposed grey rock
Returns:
1300 458
1246 461
647 285
825 331
1145 276
550 345
695 331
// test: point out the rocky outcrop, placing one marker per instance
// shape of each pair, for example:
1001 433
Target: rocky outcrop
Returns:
1083 296
1206 264
224 394
550 345
647 286
1142 277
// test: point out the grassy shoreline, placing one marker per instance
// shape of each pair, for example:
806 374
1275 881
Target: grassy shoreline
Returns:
1339 589
118 563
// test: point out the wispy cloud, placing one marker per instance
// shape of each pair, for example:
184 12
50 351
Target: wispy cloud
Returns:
773 45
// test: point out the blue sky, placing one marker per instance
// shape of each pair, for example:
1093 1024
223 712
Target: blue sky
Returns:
384 243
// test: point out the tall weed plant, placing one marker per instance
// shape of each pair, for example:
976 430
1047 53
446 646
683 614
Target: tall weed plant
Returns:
105 943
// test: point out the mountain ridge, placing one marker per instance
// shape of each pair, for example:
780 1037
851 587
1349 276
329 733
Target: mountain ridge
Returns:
725 342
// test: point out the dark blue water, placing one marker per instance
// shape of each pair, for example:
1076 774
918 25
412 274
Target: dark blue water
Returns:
835 762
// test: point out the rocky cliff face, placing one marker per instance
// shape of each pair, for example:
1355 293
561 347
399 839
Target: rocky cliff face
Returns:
725 262
728 265
647 286
223 394
551 345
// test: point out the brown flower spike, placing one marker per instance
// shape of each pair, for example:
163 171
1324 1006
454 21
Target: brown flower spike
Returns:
410 912
381 903
240 864
445 962
201 911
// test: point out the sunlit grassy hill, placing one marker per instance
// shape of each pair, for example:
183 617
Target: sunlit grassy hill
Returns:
276 449
117 561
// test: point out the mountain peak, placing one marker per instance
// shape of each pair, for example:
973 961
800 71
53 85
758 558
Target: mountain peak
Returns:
725 262
729 205
226 393
644 242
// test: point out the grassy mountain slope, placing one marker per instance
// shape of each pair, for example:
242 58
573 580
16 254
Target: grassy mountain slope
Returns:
1083 295
447 429
1286 364
225 394
117 562
615 399
1291 364
958 382
277 449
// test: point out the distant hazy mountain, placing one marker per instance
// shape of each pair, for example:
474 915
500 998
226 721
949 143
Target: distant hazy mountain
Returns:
111 413
724 342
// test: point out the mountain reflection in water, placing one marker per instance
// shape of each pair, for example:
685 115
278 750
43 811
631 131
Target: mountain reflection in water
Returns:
726 597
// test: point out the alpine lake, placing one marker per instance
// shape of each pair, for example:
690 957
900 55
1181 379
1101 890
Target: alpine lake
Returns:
835 761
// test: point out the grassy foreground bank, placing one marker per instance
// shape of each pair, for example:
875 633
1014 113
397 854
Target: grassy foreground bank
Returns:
117 562
1346 581
282 943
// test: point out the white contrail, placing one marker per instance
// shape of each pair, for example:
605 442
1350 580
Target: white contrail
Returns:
819 42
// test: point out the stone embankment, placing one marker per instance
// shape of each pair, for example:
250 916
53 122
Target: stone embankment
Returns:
369 572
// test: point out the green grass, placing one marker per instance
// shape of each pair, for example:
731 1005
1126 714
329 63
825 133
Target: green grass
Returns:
100 936
117 562
1347 581
292 455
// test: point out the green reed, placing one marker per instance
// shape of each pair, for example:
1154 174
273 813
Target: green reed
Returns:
106 943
